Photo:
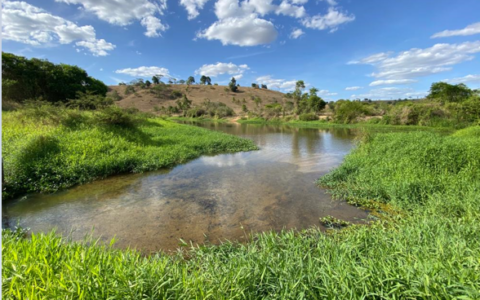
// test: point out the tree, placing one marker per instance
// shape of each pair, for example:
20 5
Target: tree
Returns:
264 86
209 80
254 85
203 79
233 85
181 81
190 80
148 83
297 95
315 103
444 92
155 80
184 104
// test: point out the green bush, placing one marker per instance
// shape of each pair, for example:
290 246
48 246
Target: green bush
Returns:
308 117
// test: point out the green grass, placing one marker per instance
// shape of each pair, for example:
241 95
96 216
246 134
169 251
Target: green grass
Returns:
430 250
52 148
330 124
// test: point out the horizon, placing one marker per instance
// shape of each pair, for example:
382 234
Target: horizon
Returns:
347 50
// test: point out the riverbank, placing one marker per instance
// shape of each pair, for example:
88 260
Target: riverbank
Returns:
50 148
429 250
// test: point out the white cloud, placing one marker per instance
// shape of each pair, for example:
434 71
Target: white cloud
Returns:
281 84
124 12
214 70
31 25
287 9
240 22
326 93
392 82
390 93
192 7
353 88
98 47
296 33
469 30
420 62
465 79
144 71
248 31
331 20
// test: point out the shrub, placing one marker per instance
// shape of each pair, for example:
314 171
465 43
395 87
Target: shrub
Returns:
89 101
176 94
129 89
308 117
114 115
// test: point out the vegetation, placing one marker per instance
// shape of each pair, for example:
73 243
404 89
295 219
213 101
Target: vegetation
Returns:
210 109
24 79
46 148
233 85
424 244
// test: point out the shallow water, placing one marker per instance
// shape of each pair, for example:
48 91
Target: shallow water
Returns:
210 199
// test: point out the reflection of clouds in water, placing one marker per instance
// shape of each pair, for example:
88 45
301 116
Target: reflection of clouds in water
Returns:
226 160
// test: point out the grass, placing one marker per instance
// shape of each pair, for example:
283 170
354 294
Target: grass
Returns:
330 124
51 148
429 251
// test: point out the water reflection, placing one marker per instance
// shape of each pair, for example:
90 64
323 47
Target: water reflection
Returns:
210 199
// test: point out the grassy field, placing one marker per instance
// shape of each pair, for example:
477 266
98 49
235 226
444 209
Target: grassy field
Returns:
50 148
425 246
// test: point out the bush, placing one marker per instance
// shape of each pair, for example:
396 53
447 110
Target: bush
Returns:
114 115
308 117
129 89
176 94
89 101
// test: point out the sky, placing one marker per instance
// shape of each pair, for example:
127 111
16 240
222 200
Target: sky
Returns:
347 49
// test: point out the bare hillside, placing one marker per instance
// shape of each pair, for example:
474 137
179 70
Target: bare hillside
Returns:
149 98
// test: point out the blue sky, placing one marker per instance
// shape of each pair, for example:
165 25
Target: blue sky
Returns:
347 49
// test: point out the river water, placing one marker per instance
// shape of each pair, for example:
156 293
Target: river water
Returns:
207 200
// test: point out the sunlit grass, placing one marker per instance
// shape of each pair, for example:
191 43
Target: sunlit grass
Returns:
429 251
54 148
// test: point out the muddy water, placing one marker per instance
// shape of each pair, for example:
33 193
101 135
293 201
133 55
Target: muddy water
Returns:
207 200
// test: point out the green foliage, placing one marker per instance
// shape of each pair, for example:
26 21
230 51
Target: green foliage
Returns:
211 109
190 80
89 101
114 95
43 152
183 104
129 89
349 111
205 80
34 78
264 86
444 92
233 85
254 85
244 108
155 79
308 117
176 94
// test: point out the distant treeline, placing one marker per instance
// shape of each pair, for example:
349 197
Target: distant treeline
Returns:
24 79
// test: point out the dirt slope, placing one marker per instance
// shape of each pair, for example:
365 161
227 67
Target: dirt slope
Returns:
146 100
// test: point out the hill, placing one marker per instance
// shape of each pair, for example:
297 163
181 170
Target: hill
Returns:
148 99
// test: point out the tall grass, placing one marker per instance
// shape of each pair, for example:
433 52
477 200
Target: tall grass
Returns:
50 148
430 251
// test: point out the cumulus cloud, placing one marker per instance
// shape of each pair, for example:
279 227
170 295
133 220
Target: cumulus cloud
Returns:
124 12
240 22
296 33
144 71
331 20
353 88
420 62
219 68
390 93
392 82
465 79
281 84
248 31
469 30
31 25
326 93
192 7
